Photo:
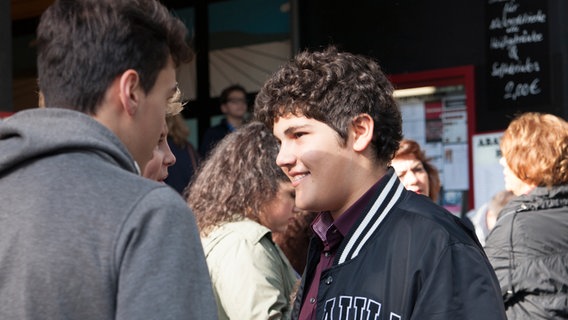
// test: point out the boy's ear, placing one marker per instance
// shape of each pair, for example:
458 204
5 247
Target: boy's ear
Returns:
130 91
363 128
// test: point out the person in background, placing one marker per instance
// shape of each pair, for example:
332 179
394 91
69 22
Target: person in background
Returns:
415 170
162 156
187 157
417 174
484 218
380 251
239 197
83 234
528 247
234 106
295 240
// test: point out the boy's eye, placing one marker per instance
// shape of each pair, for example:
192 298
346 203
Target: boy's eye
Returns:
298 134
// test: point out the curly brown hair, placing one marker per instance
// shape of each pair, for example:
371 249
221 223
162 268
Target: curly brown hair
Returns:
238 179
410 147
535 147
334 88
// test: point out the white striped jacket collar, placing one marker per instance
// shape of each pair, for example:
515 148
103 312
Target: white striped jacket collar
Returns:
372 219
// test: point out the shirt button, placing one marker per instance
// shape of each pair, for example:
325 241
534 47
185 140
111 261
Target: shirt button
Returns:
329 280
312 300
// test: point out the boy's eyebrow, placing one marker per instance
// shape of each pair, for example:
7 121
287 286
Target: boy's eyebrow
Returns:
294 128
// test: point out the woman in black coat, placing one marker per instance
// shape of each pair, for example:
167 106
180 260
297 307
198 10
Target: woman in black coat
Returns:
528 247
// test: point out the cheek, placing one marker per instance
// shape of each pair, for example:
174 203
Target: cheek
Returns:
152 169
514 180
424 178
509 177
284 209
506 174
157 115
282 214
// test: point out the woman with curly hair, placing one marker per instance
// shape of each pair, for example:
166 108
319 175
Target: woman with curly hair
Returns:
528 247
239 196
415 170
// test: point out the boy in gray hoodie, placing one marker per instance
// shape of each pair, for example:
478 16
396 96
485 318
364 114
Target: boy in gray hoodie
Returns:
82 234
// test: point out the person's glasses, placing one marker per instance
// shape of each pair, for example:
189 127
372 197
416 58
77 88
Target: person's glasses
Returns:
237 100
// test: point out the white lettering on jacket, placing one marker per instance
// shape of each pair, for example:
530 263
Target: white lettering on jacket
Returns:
354 308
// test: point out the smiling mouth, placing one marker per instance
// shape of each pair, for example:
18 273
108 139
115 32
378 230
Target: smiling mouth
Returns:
297 178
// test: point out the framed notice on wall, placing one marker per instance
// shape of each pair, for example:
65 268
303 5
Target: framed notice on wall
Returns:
438 112
517 53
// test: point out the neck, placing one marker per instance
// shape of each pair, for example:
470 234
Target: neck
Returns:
364 182
234 121
524 189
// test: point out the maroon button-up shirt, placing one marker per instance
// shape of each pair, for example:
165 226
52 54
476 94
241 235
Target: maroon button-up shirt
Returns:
331 233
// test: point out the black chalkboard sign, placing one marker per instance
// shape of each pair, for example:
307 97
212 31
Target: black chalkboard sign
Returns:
518 74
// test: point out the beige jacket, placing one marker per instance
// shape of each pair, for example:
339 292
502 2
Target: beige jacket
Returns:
252 279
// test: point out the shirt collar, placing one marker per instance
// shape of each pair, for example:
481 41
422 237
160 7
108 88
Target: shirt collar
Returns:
324 221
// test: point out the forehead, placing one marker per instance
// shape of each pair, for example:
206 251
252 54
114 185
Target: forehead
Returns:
236 93
407 161
287 121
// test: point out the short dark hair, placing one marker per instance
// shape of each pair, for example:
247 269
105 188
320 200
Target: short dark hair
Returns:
224 97
334 87
83 45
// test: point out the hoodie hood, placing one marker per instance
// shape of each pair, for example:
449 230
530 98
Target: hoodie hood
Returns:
38 133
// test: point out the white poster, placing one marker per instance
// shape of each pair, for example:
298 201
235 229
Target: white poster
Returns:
455 175
487 172
413 121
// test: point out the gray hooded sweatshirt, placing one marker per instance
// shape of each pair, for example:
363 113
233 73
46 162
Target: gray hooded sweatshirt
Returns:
83 236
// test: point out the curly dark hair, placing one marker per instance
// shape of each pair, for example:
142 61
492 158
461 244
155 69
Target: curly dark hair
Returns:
83 45
238 179
334 88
